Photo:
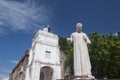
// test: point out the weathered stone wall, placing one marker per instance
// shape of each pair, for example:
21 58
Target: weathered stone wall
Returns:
18 72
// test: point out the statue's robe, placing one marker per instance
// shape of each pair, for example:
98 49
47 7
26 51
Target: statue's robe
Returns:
82 66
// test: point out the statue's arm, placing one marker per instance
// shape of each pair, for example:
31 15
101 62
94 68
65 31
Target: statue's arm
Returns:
87 39
69 40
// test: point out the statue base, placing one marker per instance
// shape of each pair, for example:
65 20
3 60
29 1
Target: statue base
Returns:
84 78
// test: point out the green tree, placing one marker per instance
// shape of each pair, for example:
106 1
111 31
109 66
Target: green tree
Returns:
68 50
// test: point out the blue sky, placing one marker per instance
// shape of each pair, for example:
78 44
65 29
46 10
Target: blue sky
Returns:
20 19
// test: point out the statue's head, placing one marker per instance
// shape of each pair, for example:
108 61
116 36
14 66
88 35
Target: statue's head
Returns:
79 27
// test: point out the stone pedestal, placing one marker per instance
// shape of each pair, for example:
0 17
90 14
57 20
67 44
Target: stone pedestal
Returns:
83 78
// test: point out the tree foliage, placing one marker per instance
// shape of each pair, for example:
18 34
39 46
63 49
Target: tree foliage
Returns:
104 54
68 50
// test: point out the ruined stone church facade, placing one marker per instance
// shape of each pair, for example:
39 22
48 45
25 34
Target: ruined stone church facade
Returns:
42 61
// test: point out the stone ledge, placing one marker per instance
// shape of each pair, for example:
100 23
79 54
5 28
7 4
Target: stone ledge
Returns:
82 78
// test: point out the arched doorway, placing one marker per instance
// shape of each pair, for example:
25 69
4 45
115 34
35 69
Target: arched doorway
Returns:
46 73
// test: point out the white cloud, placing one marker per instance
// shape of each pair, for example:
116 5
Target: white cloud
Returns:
15 16
4 73
13 61
1 23
4 70
4 77
7 78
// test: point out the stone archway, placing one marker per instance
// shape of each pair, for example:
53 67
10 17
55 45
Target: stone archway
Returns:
46 73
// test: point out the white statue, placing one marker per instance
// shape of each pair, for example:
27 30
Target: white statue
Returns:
82 66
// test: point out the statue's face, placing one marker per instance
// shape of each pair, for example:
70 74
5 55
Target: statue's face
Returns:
79 28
